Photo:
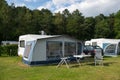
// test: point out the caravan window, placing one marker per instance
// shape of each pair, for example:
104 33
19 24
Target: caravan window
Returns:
94 43
22 43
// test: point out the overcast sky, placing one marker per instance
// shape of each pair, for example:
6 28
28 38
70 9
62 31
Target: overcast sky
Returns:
86 7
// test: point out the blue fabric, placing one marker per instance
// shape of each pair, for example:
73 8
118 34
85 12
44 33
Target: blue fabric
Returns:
105 44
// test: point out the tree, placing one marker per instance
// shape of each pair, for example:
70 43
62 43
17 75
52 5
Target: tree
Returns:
23 21
36 20
15 21
60 21
99 18
117 24
111 21
88 28
4 20
74 25
102 29
47 21
12 22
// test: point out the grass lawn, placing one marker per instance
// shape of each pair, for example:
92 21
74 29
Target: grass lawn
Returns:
12 68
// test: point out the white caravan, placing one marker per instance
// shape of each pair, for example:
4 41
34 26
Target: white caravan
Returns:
23 39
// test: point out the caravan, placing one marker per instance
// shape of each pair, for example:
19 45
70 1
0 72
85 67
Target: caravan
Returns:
43 49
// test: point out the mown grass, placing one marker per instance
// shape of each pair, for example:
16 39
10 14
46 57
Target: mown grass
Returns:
12 68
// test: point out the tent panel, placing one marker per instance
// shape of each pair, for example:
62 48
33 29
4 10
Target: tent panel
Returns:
110 49
39 52
28 50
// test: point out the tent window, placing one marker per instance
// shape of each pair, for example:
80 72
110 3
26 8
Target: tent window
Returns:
54 49
22 43
118 48
70 48
27 50
110 49
79 48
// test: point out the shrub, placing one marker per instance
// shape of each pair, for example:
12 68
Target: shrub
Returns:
0 50
10 50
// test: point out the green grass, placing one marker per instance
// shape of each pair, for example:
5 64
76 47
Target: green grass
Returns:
12 68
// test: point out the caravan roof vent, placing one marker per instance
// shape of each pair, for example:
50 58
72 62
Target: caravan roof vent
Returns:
42 32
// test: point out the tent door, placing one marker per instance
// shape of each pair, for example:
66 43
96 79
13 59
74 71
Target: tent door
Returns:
118 48
29 49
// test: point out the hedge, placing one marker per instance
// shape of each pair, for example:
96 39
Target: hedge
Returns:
10 50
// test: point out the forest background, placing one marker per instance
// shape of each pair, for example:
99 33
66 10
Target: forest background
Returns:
16 21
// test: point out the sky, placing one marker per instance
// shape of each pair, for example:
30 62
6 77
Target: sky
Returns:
86 7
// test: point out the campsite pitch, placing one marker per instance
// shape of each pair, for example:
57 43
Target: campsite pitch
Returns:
12 68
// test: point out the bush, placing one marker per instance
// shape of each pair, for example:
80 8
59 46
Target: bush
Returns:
10 50
0 50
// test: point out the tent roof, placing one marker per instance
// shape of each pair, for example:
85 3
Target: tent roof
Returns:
35 37
106 40
30 37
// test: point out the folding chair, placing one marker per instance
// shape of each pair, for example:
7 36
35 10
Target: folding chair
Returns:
98 58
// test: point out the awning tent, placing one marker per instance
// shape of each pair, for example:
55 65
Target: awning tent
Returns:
111 47
47 49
